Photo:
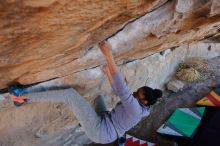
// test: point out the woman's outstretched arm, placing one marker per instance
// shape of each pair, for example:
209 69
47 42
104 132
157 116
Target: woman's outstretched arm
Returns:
115 78
106 51
105 70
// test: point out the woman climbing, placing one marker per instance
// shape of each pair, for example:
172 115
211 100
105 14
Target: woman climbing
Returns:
99 125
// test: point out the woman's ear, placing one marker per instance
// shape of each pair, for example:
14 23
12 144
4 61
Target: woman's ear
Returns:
145 102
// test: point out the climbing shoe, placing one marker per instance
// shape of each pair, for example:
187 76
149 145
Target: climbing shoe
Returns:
18 100
17 90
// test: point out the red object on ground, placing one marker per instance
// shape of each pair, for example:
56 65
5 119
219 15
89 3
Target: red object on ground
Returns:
133 141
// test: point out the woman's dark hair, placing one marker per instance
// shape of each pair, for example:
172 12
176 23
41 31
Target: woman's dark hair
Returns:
151 95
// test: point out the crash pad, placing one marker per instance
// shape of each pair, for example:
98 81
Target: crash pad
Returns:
211 99
183 122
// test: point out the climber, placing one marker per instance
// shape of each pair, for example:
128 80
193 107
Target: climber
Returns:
99 125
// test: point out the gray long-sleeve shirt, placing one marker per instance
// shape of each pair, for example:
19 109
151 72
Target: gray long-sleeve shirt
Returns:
124 116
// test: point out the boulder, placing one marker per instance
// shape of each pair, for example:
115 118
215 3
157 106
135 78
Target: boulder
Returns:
175 85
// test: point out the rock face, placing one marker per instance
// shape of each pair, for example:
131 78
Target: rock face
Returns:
175 85
48 124
154 71
50 35
45 39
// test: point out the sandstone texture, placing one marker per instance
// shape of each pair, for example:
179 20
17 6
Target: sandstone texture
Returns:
56 41
45 39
